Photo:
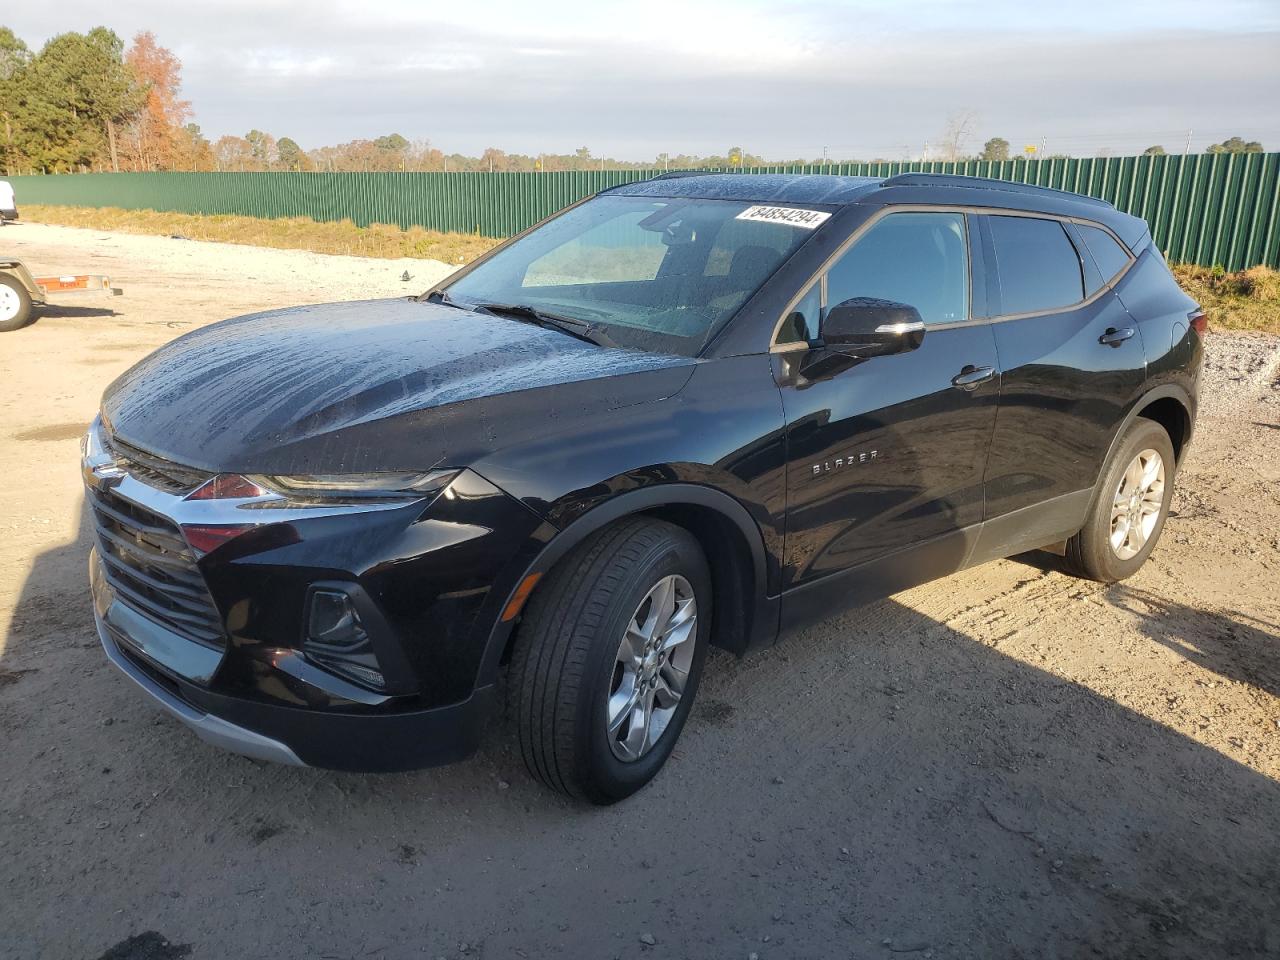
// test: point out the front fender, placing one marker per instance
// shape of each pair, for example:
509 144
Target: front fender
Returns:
762 620
716 445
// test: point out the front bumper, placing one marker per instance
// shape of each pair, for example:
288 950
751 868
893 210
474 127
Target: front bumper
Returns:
367 743
207 727
233 664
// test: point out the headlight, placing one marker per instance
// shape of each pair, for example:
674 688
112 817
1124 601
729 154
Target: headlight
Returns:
346 485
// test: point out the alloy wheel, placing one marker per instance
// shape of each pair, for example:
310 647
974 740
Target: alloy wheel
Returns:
1136 506
651 667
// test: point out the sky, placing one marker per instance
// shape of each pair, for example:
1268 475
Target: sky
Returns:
868 79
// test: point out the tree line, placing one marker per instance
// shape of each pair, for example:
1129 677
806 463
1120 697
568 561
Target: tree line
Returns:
997 148
85 102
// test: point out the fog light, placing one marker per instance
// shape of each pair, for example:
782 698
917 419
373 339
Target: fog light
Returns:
337 641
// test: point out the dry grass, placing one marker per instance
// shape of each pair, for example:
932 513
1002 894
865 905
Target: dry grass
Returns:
1245 300
296 233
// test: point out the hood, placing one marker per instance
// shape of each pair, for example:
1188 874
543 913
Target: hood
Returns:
370 385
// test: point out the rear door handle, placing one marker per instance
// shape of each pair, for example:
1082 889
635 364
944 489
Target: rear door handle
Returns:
970 377
1116 336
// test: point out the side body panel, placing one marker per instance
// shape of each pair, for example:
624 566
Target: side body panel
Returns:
884 453
1063 394
1162 311
887 455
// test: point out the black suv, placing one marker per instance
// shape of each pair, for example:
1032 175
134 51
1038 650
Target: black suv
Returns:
694 410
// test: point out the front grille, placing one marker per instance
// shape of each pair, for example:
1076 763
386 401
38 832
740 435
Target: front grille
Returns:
155 471
152 570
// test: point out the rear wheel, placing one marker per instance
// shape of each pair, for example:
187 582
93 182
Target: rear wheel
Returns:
15 304
608 659
1129 508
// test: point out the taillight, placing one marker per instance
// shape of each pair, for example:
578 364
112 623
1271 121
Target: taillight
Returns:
1199 321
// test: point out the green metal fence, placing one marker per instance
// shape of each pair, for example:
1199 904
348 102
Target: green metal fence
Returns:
1203 208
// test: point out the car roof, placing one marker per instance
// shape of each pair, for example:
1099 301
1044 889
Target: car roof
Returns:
757 187
905 188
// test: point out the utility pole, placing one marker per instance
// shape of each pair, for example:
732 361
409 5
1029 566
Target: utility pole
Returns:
824 155
925 156
1188 150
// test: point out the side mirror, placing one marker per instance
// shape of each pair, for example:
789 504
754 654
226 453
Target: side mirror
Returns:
867 327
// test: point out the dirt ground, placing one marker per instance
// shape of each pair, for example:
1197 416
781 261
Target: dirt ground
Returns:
1009 763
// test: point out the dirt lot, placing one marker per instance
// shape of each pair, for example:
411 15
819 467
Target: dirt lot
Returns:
1009 763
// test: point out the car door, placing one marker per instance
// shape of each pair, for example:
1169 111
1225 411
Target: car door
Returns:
1071 361
886 456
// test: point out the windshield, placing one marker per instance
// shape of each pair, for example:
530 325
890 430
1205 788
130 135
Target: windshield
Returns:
656 274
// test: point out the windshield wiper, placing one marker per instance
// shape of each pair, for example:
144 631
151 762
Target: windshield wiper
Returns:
574 327
440 296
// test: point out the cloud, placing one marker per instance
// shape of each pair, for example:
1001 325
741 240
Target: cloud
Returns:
868 79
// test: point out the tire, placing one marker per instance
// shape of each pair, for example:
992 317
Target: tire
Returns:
1092 553
568 667
15 304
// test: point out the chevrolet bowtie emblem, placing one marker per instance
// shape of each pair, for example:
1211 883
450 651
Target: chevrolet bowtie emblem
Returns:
104 476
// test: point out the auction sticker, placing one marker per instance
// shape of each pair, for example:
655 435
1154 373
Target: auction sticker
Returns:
808 219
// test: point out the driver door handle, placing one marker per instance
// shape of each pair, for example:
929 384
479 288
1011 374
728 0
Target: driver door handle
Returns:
970 377
1114 337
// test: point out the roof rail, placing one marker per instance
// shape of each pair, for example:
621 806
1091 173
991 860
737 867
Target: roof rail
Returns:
681 174
983 183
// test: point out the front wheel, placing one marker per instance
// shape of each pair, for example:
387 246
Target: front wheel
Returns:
608 658
1129 507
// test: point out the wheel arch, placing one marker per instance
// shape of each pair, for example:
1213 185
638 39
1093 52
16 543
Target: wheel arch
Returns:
1168 405
744 617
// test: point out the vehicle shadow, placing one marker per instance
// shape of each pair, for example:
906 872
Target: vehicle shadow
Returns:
1237 646
879 785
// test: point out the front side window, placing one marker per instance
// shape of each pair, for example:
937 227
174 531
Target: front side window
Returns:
1038 265
657 274
919 259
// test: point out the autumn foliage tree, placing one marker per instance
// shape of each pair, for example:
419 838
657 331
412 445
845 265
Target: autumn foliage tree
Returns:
155 135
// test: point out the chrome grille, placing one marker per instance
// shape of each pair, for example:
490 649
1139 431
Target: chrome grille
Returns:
155 471
151 568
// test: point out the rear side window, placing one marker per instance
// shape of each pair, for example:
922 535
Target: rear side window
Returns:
913 258
1110 257
1039 268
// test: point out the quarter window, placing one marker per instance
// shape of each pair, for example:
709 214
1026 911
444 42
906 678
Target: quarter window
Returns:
914 258
1039 267
801 324
1110 257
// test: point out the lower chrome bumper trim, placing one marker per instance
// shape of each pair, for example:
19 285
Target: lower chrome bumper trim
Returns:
207 727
